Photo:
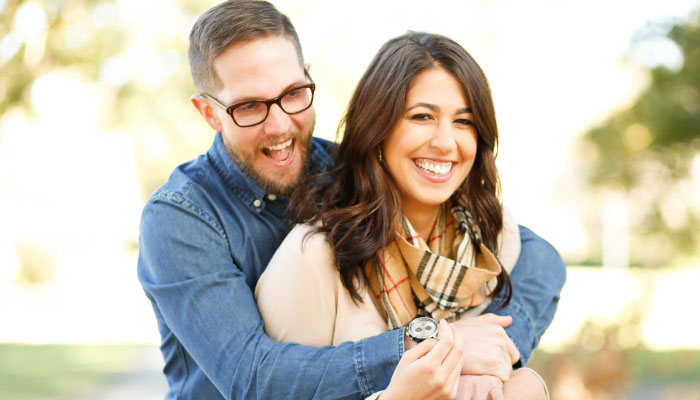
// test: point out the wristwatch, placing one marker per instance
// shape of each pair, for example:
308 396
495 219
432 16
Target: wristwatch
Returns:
422 328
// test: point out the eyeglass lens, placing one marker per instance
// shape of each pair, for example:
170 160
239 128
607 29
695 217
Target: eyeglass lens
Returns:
255 112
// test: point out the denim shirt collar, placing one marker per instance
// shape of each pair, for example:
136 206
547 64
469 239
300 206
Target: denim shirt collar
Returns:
240 184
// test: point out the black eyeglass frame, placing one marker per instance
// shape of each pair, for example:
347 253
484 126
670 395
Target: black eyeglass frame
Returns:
277 100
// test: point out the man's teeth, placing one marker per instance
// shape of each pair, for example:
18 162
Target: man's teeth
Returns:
435 168
280 146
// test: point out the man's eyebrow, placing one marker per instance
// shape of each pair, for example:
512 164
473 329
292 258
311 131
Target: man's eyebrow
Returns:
252 98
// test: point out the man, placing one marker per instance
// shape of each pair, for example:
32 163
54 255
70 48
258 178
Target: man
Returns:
208 233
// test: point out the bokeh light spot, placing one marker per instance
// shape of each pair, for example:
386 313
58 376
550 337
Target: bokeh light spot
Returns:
9 46
657 52
104 14
637 137
30 20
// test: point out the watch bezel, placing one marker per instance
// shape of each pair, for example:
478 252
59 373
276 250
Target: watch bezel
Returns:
417 335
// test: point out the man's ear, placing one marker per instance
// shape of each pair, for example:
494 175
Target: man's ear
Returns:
204 107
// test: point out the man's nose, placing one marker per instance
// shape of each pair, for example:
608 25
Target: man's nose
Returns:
277 122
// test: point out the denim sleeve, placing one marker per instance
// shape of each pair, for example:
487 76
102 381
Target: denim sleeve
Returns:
186 269
537 278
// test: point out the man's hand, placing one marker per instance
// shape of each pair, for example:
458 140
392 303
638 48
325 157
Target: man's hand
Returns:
480 387
429 370
487 348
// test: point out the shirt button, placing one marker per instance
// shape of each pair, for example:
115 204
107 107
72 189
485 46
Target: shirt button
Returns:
272 197
256 203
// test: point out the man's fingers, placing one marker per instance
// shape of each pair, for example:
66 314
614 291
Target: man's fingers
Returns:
501 320
513 352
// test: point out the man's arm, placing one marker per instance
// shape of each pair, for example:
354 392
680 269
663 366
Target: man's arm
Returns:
186 269
537 278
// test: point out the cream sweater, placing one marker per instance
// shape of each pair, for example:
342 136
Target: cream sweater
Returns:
302 299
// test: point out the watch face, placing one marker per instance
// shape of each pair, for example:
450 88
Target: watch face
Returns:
423 328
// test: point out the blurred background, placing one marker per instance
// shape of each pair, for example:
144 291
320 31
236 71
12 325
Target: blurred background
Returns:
598 104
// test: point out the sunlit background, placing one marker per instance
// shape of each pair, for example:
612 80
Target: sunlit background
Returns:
598 104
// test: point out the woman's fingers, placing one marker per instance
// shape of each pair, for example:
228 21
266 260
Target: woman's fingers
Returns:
418 351
453 360
453 382
451 367
444 345
496 393
480 387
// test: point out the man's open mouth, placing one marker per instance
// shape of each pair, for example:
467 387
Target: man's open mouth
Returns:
280 153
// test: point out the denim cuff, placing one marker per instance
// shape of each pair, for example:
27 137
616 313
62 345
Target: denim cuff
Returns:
520 332
376 359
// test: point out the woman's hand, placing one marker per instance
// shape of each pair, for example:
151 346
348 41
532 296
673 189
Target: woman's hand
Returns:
525 384
487 348
429 370
480 387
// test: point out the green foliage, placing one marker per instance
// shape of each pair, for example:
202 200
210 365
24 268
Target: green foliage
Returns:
647 150
29 372
69 39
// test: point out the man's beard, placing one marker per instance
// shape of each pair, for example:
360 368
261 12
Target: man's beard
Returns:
245 164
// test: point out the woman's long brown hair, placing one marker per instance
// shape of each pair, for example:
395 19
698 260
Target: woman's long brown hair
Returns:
358 202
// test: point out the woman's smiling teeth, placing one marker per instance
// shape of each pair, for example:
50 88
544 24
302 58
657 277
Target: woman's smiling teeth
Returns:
439 168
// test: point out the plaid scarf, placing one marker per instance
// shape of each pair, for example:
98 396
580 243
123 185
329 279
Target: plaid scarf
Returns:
442 278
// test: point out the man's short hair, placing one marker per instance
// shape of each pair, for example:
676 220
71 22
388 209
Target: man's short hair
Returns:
231 22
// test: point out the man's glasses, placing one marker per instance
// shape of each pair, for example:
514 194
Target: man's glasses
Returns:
254 112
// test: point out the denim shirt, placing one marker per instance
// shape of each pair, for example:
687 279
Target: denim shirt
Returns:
205 238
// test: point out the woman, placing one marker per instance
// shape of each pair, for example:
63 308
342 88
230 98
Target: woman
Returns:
408 221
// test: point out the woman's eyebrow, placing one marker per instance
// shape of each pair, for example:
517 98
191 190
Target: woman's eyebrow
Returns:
465 110
426 105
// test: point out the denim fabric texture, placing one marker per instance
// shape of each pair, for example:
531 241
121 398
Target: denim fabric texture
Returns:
537 278
205 238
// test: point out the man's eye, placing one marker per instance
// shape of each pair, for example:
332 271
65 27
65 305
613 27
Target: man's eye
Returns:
293 93
247 107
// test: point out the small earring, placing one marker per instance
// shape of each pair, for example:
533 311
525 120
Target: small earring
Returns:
380 154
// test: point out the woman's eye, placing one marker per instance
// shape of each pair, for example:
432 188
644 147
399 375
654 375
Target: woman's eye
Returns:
464 121
421 117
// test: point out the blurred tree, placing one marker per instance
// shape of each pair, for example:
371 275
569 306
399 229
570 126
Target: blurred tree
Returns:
36 37
136 60
649 152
